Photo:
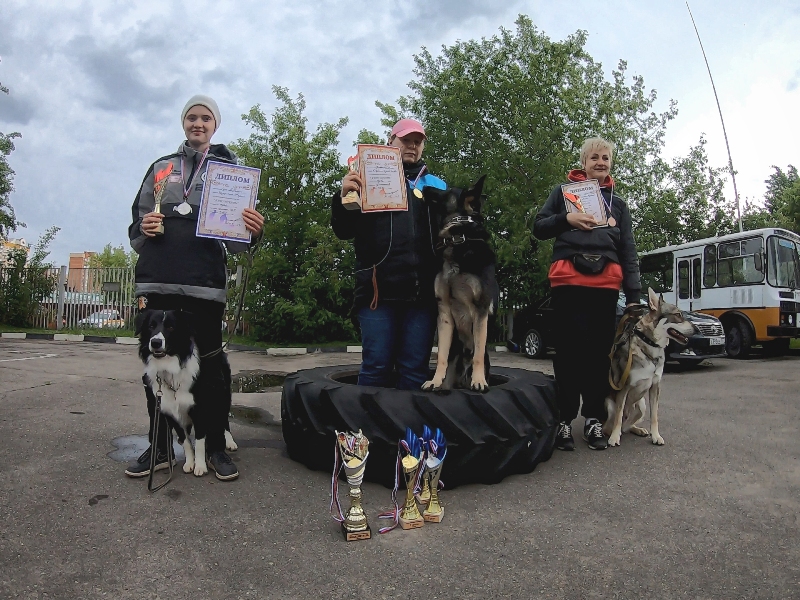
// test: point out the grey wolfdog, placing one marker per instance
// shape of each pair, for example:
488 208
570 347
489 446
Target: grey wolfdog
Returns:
639 352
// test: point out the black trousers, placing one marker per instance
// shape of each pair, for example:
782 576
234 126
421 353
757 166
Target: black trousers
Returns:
585 325
214 378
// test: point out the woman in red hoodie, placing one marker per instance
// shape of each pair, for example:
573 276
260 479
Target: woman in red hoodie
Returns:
590 265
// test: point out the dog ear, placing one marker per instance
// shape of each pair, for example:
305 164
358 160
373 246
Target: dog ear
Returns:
142 318
652 299
473 200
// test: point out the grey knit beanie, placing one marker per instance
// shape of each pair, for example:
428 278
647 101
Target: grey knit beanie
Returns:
201 100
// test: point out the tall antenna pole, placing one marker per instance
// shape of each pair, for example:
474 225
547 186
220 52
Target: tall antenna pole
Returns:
719 108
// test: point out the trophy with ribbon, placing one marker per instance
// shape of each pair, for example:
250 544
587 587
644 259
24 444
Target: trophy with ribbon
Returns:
159 184
435 451
351 200
411 456
351 453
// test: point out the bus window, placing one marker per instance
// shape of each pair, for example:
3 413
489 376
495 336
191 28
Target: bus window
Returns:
710 266
696 277
683 279
736 264
783 264
657 271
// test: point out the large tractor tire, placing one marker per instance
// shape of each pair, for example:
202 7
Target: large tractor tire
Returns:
507 430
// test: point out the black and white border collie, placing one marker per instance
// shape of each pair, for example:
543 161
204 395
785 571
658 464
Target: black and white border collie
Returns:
168 351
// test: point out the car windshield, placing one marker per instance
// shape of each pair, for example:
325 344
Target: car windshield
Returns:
784 266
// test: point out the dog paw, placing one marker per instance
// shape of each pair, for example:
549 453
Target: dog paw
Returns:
613 439
230 443
200 469
479 385
188 467
658 440
640 431
432 385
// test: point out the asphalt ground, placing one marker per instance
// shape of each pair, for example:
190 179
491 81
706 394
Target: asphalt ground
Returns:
712 514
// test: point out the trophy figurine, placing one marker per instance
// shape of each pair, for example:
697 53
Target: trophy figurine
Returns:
353 450
351 200
159 184
412 465
425 495
436 450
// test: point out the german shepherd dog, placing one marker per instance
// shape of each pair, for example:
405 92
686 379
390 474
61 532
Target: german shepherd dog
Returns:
640 349
466 289
172 365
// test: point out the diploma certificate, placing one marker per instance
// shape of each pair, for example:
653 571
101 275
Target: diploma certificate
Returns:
381 170
228 189
585 197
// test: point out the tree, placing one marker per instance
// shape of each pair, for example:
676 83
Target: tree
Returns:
23 286
301 284
111 257
782 198
518 106
8 221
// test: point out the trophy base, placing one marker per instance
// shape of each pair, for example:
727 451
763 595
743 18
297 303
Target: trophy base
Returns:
352 201
354 536
433 517
411 523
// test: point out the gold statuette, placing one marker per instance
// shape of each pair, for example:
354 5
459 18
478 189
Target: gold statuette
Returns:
159 185
351 200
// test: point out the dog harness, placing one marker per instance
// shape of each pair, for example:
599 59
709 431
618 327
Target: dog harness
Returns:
627 325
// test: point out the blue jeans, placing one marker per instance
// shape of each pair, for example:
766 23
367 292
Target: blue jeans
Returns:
396 336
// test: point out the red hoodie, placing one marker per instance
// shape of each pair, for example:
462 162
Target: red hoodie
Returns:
563 272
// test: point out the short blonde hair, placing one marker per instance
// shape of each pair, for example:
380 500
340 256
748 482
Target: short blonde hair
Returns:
596 144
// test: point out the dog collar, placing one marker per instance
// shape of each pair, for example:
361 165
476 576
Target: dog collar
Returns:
644 338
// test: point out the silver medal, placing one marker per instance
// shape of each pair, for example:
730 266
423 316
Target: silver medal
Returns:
184 208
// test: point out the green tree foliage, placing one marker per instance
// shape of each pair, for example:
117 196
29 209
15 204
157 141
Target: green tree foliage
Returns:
301 284
8 221
111 257
23 286
518 106
782 199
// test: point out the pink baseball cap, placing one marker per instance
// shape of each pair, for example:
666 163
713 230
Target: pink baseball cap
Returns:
405 126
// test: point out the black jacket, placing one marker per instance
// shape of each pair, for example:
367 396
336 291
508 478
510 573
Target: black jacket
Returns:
400 245
615 243
179 262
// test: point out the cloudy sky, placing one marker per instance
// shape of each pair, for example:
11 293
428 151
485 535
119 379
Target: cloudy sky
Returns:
97 87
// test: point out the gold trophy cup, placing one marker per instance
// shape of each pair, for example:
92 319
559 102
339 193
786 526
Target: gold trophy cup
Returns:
412 463
354 451
351 200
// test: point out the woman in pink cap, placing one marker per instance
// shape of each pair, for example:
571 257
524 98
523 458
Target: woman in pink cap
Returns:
396 265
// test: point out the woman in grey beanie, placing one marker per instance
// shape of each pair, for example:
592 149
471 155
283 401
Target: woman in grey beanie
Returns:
176 270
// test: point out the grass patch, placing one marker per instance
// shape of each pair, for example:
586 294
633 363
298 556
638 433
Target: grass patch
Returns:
795 344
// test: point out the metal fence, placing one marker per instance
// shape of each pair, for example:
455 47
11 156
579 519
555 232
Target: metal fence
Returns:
64 298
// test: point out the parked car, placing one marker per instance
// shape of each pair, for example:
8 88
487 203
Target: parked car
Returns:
535 334
106 319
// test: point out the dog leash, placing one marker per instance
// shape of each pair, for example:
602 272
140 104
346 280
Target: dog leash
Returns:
154 451
619 337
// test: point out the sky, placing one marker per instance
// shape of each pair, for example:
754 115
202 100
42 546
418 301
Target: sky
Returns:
96 88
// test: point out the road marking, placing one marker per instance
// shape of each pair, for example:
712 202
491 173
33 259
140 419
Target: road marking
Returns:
28 358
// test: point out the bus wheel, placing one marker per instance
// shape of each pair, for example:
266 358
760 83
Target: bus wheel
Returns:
738 339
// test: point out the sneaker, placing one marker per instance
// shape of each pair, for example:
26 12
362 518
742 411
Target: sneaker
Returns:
593 434
141 468
564 439
223 466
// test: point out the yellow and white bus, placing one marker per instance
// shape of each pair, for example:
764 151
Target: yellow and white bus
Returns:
750 281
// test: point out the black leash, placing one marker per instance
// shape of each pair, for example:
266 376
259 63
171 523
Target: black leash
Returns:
154 446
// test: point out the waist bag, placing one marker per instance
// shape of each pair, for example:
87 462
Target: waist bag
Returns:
589 264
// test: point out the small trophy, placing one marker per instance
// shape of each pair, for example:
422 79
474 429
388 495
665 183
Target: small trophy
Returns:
351 200
352 449
425 495
436 450
412 464
159 184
